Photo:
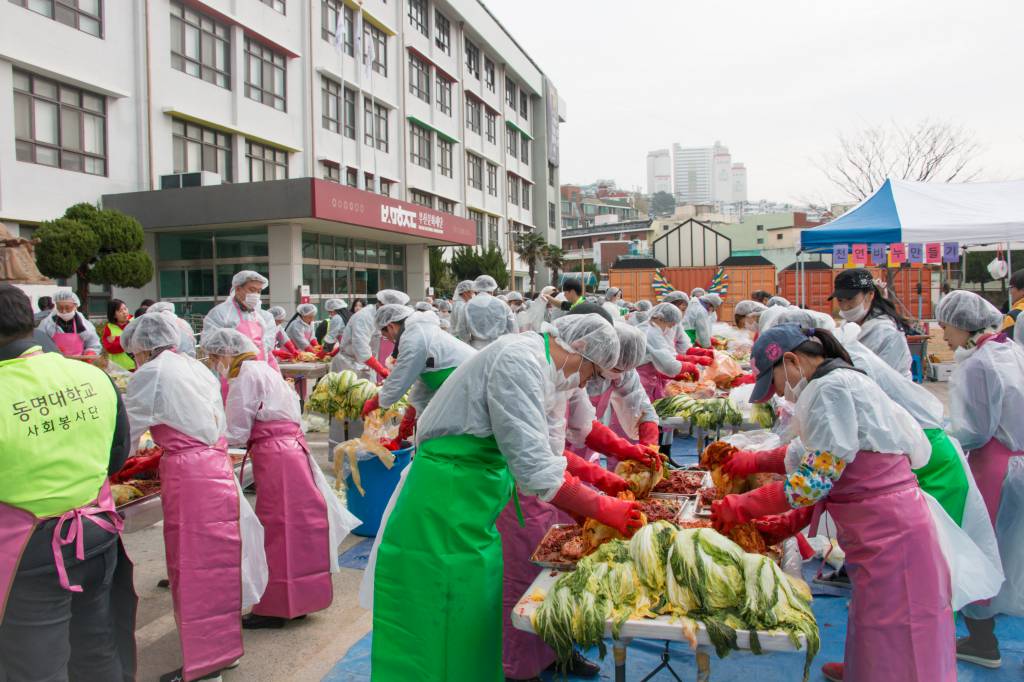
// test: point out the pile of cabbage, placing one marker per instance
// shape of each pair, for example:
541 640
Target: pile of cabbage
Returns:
689 574
707 413
343 394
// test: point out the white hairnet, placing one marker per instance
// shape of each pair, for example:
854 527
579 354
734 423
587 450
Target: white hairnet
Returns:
151 331
612 293
770 317
644 305
549 291
797 316
333 304
278 313
66 295
632 347
777 301
487 318
514 296
747 307
386 296
444 306
228 342
697 292
968 311
711 299
589 335
423 306
485 283
666 312
463 287
244 276
161 307
306 309
675 297
392 312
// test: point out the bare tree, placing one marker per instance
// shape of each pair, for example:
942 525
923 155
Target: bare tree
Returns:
928 150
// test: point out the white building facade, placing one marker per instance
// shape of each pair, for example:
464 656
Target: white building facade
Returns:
659 171
427 107
704 175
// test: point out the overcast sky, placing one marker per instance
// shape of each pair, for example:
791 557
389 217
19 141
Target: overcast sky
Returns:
774 80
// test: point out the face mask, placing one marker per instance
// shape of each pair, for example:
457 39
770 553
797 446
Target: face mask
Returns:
253 301
66 316
854 314
565 383
792 393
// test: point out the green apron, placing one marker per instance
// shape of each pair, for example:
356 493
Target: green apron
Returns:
437 592
692 333
122 359
434 380
943 477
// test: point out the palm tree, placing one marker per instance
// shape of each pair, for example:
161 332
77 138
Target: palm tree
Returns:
530 247
554 260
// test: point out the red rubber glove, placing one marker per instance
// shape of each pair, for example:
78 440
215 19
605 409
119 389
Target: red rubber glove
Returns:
700 352
576 498
605 441
702 360
380 369
744 463
742 379
335 350
648 433
370 405
408 423
135 466
282 354
688 371
736 509
89 353
780 527
289 346
599 477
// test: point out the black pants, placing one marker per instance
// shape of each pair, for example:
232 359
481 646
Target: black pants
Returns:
52 635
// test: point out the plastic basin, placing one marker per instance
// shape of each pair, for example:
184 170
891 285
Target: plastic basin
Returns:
379 483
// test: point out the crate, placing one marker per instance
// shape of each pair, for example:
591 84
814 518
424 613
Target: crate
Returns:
940 371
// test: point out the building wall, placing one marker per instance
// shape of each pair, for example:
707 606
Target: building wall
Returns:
659 171
691 173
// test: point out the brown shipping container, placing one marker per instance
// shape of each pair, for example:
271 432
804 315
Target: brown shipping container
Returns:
636 285
819 285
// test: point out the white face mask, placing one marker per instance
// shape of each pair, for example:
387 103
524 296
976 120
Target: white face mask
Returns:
253 301
565 383
66 316
790 392
855 314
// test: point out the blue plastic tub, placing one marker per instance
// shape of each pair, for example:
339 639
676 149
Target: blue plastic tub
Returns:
379 483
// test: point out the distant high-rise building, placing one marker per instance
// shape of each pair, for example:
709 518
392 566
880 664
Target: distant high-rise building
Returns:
659 171
707 175
739 182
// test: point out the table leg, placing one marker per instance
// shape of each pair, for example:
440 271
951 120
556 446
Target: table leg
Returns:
703 665
619 652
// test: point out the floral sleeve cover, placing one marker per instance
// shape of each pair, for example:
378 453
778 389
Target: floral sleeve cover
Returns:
813 479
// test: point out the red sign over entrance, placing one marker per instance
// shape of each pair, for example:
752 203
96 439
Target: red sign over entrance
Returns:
344 204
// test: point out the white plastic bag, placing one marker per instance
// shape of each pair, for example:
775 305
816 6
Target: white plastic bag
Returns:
339 519
255 573
998 268
754 441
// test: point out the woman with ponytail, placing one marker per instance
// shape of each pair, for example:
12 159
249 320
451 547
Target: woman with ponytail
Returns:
882 328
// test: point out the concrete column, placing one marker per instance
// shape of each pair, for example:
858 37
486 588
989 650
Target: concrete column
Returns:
284 242
417 271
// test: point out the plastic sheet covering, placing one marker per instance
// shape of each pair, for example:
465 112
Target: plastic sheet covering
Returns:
754 441
340 520
255 573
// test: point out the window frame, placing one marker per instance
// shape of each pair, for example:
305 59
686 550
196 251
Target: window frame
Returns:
492 126
490 79
492 179
472 59
227 149
330 98
421 198
328 30
473 120
381 127
205 25
421 20
492 230
277 63
70 9
524 149
442 36
511 142
379 40
511 93
524 104
445 205
419 77
349 113
273 161
445 157
369 122
444 93
273 4
475 171
420 146
331 172
512 195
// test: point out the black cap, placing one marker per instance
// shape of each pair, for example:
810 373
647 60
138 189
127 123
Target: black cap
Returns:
588 308
849 283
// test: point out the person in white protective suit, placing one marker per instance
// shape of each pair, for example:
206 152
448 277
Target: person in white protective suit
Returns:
777 301
336 325
177 400
72 333
486 316
882 328
463 294
242 311
515 303
613 302
278 313
643 310
697 323
187 343
661 362
712 302
300 328
986 403
541 310
680 300
746 315
697 292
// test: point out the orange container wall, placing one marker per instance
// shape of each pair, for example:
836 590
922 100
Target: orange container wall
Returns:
819 284
636 285
743 280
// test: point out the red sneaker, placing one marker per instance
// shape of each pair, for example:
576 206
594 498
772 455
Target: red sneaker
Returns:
833 672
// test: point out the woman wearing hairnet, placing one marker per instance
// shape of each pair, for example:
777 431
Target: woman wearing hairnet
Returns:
612 302
71 332
283 346
336 326
242 311
486 316
463 294
643 310
492 426
779 301
300 329
746 314
680 300
213 541
661 363
712 302
861 448
882 328
263 416
986 404
541 310
697 322
187 342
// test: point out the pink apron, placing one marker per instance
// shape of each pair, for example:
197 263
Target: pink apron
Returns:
254 331
900 623
69 343
653 381
294 517
989 464
524 654
203 543
17 526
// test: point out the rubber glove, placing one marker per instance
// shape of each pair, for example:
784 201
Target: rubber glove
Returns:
89 353
576 498
742 379
599 477
335 350
702 360
282 354
648 433
135 466
700 352
381 370
736 509
605 441
370 405
688 371
408 423
745 462
290 346
779 527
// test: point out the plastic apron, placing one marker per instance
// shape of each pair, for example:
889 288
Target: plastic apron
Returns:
17 526
437 606
254 332
653 381
900 620
302 528
121 359
69 343
203 539
943 477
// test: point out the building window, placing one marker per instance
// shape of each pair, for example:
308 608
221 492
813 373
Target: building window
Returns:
473 59
264 75
368 182
442 32
778 237
473 115
760 228
444 156
524 104
524 149
381 115
385 187
367 122
760 241
527 191
552 219
266 163
492 230
474 171
330 11
511 93
419 77
444 95
349 123
197 148
492 179
511 142
330 94
59 125
421 198
200 46
276 4
478 219
419 145
513 189
489 74
379 41
445 206
85 15
352 177
492 127
418 16
331 172
551 175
